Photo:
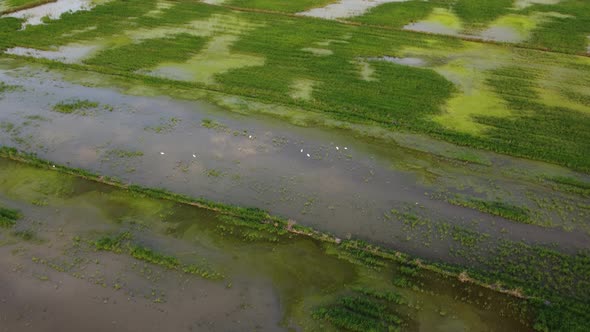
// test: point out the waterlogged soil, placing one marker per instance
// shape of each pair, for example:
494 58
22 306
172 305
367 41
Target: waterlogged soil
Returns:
325 179
54 279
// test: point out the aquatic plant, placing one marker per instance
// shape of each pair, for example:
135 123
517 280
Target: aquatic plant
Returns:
123 153
75 105
497 208
358 312
8 217
122 243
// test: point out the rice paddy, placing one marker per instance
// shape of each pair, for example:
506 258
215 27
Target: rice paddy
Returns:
302 165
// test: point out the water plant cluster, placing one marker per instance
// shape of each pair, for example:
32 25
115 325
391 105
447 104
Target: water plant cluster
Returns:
122 243
8 217
73 106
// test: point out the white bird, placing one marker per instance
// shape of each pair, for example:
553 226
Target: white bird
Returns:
301 150
162 153
194 156
308 155
337 148
250 136
345 148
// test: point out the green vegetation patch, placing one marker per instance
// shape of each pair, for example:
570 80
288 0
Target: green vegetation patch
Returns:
10 6
259 56
8 217
122 243
149 53
481 11
497 208
123 153
566 32
75 106
362 311
571 184
398 14
253 229
7 88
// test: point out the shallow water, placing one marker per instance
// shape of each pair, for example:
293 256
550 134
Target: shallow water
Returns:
412 62
440 21
346 186
53 10
432 27
66 54
345 8
501 34
57 279
521 4
510 28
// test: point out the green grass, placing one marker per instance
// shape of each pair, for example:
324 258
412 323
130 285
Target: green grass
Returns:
565 34
123 153
15 5
288 6
480 12
149 53
74 106
361 312
399 14
497 208
399 97
8 217
571 184
7 88
20 3
122 243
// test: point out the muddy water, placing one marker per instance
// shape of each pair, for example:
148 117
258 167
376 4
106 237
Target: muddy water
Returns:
57 281
320 178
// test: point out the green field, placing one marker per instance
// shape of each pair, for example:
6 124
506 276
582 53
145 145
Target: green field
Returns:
459 128
464 92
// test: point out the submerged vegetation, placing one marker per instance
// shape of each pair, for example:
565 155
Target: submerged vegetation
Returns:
534 273
122 243
74 106
497 208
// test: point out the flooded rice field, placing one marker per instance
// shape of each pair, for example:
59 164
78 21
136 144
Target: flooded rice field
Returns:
246 165
58 274
324 179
